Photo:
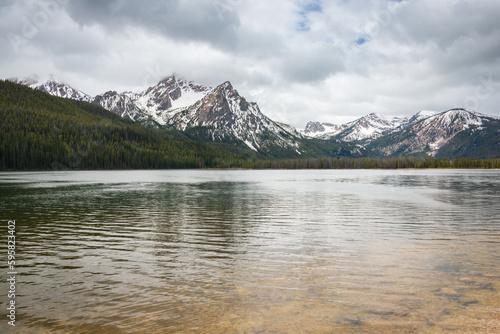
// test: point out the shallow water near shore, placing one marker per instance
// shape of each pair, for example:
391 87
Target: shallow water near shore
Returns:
242 251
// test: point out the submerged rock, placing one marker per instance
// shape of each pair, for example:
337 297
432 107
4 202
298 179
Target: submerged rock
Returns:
448 292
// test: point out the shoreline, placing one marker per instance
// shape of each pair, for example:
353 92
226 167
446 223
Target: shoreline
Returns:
221 168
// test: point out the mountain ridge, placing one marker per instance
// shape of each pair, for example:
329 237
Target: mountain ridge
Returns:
218 114
434 132
221 114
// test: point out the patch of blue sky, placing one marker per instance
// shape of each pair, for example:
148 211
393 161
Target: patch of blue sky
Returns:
361 40
313 6
309 7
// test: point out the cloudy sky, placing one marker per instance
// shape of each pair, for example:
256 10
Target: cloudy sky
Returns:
300 60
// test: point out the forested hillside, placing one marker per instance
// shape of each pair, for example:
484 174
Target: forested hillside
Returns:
40 131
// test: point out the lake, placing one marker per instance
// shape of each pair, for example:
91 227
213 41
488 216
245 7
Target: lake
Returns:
242 251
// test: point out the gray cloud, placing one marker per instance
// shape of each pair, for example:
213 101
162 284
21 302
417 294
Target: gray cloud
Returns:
300 60
315 62
207 21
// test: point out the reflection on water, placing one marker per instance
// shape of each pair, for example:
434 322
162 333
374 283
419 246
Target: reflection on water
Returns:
255 251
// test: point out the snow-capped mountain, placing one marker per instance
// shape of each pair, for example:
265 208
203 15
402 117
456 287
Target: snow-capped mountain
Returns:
321 130
227 117
216 114
122 104
365 128
431 133
159 102
410 120
424 132
53 87
171 94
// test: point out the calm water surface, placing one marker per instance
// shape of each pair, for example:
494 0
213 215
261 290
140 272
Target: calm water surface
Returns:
254 251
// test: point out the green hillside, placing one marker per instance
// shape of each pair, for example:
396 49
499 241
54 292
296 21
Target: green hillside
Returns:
474 143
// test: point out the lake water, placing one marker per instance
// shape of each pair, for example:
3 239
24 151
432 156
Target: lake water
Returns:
412 251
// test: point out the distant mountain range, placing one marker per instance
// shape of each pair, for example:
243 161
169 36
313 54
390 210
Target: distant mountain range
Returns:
368 127
222 115
426 132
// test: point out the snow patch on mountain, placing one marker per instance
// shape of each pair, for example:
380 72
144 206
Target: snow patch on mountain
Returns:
367 127
171 94
54 87
364 128
227 116
321 130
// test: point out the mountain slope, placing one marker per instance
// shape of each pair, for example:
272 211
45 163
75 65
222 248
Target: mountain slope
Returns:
367 127
474 143
55 88
225 116
410 120
437 132
40 131
170 94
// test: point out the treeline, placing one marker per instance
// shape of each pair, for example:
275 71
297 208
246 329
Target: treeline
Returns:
371 163
39 131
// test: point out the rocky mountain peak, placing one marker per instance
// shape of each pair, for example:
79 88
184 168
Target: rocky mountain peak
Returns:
313 127
169 94
376 120
168 80
224 115
457 118
219 104
227 86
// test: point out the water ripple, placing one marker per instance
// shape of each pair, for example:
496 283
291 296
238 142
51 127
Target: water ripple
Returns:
254 251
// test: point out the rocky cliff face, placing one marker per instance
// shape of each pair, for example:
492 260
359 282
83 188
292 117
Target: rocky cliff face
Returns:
228 117
170 94
122 104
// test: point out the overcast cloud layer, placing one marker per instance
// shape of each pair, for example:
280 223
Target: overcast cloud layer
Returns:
301 60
